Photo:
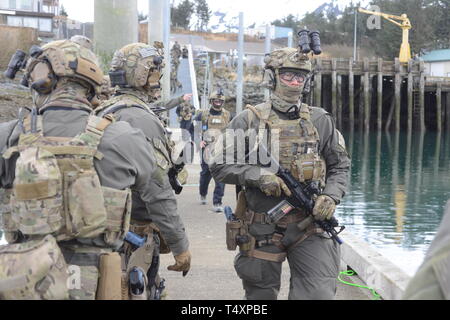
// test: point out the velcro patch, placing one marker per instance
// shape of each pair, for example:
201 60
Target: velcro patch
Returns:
147 52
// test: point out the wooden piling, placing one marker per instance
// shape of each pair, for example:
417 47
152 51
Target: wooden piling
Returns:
366 81
422 96
410 96
333 88
351 93
380 94
447 111
339 102
397 93
439 107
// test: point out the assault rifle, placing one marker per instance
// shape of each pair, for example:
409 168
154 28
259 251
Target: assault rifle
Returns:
302 197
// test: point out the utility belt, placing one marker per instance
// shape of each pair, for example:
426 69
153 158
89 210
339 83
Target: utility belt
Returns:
237 231
140 262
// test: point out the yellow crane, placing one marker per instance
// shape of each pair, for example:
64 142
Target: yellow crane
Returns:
405 49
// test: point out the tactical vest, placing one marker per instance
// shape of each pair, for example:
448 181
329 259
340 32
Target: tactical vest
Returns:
214 125
57 191
163 148
297 142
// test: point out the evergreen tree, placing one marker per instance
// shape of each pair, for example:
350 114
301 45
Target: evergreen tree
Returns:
203 14
181 14
63 12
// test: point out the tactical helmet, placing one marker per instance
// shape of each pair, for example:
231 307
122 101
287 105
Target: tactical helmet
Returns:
217 95
63 59
137 65
287 58
83 41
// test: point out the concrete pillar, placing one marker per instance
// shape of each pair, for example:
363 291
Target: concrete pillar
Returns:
240 71
267 50
159 30
115 25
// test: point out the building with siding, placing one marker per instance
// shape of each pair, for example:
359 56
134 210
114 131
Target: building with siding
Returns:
37 14
437 63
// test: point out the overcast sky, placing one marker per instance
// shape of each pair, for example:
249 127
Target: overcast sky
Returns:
259 11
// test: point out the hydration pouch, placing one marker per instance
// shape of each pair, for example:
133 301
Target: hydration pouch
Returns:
34 270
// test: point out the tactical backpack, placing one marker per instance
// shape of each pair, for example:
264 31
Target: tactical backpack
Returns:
57 190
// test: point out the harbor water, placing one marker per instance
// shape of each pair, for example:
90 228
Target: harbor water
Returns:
398 189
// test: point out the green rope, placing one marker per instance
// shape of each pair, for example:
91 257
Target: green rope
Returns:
351 273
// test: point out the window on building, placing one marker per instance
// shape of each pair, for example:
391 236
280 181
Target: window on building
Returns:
4 4
15 21
12 4
26 5
31 22
45 25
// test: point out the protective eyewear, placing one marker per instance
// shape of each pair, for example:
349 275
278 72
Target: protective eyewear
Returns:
291 76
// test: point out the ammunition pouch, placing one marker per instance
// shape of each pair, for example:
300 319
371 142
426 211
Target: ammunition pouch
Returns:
33 270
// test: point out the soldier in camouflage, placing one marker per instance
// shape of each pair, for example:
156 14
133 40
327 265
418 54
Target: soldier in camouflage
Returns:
213 122
68 177
306 142
136 71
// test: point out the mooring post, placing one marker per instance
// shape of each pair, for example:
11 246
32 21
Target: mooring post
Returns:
366 94
422 97
447 111
339 101
380 94
410 95
439 107
351 93
333 88
397 93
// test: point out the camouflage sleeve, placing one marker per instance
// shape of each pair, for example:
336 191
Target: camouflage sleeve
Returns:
234 146
431 280
173 103
333 150
131 159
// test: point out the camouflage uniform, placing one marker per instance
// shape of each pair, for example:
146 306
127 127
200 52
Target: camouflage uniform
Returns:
314 151
431 281
89 164
213 124
131 104
176 54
